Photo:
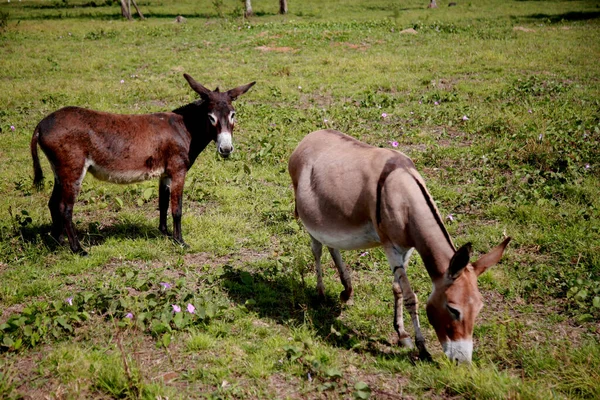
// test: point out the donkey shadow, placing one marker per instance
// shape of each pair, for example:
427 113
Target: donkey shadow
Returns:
91 236
284 299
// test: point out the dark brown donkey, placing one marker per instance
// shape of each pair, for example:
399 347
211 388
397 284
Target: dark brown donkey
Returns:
131 148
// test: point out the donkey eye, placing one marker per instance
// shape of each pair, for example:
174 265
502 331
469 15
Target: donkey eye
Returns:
232 117
213 119
454 313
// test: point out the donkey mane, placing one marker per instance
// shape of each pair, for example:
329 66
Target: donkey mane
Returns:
434 211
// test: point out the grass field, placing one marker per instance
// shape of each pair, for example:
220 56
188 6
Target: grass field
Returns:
497 103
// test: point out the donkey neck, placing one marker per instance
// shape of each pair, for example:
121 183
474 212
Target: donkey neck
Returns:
195 119
432 240
436 254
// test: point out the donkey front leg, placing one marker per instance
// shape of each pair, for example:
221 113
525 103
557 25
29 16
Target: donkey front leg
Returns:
398 259
164 194
177 182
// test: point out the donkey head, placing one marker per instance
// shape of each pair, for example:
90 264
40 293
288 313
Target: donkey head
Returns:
455 301
221 115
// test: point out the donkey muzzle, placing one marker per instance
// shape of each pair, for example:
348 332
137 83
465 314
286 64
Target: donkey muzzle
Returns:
224 144
460 351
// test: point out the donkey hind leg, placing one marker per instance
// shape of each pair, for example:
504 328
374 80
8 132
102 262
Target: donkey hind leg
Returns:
398 259
58 228
317 250
68 195
346 294
164 194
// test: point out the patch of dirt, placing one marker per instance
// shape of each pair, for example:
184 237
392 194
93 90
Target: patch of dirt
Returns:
8 311
522 29
409 31
354 46
277 49
444 84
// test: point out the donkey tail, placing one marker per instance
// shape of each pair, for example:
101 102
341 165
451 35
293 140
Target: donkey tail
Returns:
38 174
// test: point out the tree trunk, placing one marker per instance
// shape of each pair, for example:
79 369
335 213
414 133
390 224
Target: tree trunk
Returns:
247 8
283 9
137 9
125 11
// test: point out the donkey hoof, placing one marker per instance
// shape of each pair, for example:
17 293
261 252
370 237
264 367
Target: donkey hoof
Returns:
406 342
80 252
182 243
321 298
425 356
346 297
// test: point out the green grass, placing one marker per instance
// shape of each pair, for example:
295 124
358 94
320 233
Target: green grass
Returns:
526 162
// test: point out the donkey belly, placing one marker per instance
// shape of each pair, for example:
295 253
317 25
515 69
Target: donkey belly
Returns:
123 175
362 237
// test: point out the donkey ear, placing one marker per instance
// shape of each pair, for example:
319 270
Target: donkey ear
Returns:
491 258
198 88
459 261
238 91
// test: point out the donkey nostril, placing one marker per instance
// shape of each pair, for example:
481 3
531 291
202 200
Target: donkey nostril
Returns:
225 152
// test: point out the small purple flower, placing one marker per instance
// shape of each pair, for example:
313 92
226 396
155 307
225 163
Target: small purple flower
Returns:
364 253
465 118
587 166
530 112
420 102
122 81
12 128
450 217
325 120
129 315
69 300
309 377
191 309
384 115
436 103
165 285
176 308
394 143
541 137
411 113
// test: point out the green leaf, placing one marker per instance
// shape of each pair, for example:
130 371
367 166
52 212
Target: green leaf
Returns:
147 194
581 295
246 278
333 373
63 322
7 341
166 339
596 302
178 320
119 202
247 169
363 391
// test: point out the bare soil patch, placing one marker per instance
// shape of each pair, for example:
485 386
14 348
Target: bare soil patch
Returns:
277 49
